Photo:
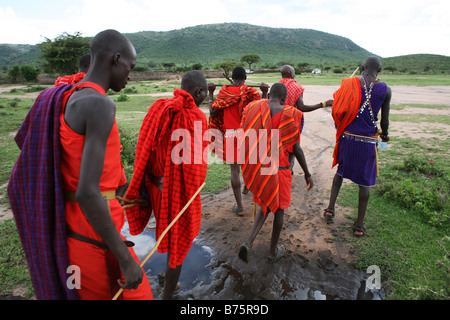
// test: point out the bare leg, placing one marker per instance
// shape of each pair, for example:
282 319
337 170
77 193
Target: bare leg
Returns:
335 188
257 225
236 185
276 231
364 193
171 281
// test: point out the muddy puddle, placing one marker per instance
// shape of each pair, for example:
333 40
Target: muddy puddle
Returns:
207 276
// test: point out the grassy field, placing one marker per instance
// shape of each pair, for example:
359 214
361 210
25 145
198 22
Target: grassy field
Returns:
407 218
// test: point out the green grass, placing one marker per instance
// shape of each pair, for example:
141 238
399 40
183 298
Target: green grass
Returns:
408 217
13 266
407 239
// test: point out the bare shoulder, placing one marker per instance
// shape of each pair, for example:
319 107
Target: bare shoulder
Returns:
89 108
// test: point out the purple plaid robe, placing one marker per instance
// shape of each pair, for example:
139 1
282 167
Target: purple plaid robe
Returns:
35 193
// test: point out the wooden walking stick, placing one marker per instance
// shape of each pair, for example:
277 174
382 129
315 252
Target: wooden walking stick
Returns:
164 233
354 72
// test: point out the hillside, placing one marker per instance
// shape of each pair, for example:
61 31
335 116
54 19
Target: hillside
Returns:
208 44
212 43
418 63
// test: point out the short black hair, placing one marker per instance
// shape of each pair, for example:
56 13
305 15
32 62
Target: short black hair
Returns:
239 73
278 90
85 62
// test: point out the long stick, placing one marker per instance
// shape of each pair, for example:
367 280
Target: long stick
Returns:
354 72
164 233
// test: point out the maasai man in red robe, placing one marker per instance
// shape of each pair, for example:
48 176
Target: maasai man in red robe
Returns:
171 172
270 180
295 93
225 115
355 113
92 170
83 68
69 210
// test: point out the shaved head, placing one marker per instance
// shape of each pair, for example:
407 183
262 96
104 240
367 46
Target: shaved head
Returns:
373 63
287 71
110 42
278 92
195 83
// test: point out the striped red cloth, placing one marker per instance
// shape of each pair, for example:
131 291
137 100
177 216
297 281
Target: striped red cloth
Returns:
35 192
181 181
347 100
226 99
265 187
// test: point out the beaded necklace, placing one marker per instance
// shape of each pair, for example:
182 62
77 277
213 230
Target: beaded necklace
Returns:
367 101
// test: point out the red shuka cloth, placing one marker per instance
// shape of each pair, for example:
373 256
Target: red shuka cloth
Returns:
347 100
256 116
92 261
72 79
181 180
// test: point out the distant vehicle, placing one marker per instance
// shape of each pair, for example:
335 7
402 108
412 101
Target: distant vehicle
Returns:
316 71
248 71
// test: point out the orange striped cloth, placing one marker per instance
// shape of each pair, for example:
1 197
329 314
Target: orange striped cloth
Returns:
347 100
256 116
226 99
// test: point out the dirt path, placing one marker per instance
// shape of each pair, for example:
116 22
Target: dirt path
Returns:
316 261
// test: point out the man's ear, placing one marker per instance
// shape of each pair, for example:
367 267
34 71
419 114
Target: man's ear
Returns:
116 58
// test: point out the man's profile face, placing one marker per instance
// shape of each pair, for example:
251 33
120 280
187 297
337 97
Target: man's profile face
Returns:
121 71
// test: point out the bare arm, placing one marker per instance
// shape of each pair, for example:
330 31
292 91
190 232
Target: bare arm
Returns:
212 112
385 115
300 156
302 107
88 191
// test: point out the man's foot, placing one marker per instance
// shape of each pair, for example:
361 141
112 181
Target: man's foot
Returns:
359 232
278 256
239 212
244 252
329 214
245 190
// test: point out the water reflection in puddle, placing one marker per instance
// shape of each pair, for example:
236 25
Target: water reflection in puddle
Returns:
197 271
194 269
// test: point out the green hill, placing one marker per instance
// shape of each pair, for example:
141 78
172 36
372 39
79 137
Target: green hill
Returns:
418 63
209 44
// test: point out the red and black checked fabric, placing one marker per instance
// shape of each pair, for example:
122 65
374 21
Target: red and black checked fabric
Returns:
347 100
256 116
35 193
295 90
181 181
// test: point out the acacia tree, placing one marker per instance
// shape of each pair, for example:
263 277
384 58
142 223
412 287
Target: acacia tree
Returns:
227 66
62 55
251 59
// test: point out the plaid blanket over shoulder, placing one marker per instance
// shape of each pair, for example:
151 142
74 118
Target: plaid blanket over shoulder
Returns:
35 193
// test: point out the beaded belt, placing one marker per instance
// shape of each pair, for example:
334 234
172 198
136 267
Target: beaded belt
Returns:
356 137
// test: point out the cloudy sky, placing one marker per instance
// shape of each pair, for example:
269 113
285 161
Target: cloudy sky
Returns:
385 27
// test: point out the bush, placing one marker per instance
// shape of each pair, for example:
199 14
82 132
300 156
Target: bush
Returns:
14 74
420 185
122 98
29 72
